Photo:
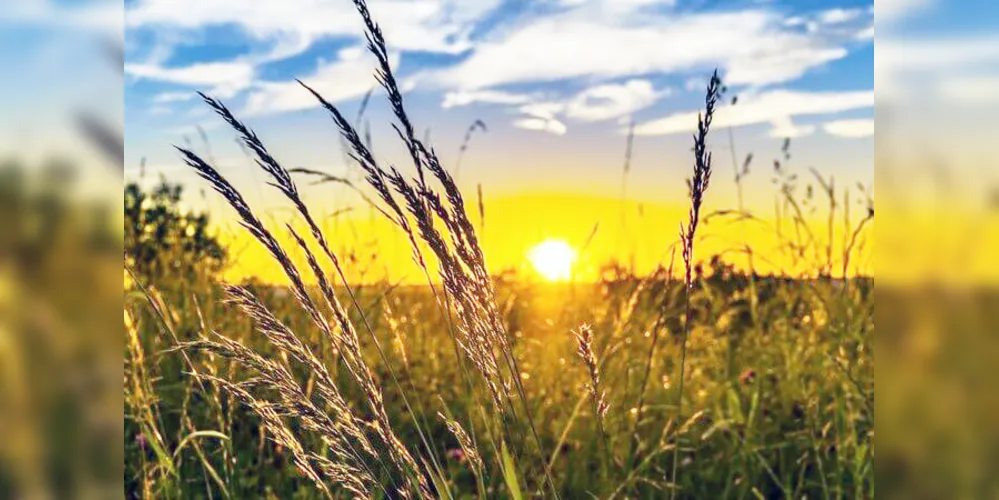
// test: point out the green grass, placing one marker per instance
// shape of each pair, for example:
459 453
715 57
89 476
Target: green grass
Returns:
801 425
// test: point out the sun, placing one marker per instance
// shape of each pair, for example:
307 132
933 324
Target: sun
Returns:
553 259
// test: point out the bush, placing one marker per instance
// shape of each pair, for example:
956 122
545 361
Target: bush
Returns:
161 238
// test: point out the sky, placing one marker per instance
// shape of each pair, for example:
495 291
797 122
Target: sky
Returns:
555 81
558 83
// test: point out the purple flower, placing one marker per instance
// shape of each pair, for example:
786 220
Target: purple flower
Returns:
456 454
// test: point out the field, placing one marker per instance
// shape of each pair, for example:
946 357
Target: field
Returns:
778 391
698 380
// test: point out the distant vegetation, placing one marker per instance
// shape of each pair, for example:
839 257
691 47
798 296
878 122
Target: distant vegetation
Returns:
162 239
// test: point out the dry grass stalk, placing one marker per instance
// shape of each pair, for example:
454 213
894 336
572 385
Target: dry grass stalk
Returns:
584 348
288 400
318 468
471 453
345 339
461 264
476 125
418 209
698 185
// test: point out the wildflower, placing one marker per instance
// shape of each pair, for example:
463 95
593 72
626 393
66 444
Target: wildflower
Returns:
456 454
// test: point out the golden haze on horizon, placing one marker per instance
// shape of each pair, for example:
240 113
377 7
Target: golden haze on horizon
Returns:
601 230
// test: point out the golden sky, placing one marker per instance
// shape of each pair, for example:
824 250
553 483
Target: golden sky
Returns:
600 230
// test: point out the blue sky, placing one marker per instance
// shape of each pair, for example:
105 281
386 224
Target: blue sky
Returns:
556 81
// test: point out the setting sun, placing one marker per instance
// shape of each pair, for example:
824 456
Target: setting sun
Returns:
553 259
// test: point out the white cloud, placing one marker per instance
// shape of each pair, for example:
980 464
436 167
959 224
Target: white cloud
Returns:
277 30
754 46
437 26
604 102
780 67
614 6
617 39
839 16
551 126
226 78
776 106
785 128
542 110
464 98
172 97
342 79
596 103
853 129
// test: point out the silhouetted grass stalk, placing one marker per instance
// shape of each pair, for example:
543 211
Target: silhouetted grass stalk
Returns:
698 185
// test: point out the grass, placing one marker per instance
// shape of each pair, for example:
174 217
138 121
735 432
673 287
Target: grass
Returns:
799 413
467 387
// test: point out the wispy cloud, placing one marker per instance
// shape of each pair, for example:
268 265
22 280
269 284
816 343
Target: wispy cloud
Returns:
839 16
550 125
464 98
542 110
604 54
777 107
784 128
435 26
278 30
350 75
592 104
173 97
605 102
225 78
754 47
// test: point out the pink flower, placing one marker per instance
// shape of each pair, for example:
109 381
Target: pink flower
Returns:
456 454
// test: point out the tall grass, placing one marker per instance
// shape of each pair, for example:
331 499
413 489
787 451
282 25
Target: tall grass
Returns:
467 293
697 187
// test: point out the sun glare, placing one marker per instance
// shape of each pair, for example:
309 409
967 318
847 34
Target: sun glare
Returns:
553 260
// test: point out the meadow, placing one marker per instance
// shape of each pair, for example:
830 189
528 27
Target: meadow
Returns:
698 380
